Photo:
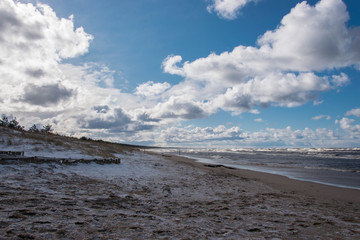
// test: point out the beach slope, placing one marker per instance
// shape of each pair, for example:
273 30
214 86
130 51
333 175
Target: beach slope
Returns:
150 196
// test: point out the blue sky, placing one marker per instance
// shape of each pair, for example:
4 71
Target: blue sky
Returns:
229 73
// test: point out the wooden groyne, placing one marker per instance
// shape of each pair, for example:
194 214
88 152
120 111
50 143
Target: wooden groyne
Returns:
12 153
22 159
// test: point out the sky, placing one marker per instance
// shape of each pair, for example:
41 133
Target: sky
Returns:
194 73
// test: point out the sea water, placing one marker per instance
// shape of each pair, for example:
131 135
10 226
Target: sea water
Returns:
337 167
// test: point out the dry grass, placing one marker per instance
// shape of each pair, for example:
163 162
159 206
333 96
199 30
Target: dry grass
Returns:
9 142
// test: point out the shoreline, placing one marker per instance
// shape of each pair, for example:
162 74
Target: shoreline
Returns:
275 172
280 182
284 174
331 167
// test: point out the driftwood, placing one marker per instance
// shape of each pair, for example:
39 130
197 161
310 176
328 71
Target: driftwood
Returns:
218 166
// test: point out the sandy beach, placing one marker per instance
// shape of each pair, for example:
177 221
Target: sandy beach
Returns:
179 119
151 196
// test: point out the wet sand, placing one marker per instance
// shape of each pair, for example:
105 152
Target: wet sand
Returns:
283 183
169 198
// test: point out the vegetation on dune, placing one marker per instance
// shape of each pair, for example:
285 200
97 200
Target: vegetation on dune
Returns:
5 122
46 137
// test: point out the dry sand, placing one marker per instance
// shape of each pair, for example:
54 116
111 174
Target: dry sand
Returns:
163 197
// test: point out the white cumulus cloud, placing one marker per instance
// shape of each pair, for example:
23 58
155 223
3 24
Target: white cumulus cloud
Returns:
200 135
228 9
169 65
313 38
38 87
348 125
150 88
281 69
269 137
354 112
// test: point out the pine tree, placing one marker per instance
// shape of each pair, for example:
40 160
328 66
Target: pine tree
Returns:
13 124
4 121
33 129
47 129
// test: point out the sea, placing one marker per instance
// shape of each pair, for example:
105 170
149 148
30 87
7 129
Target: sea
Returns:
331 166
